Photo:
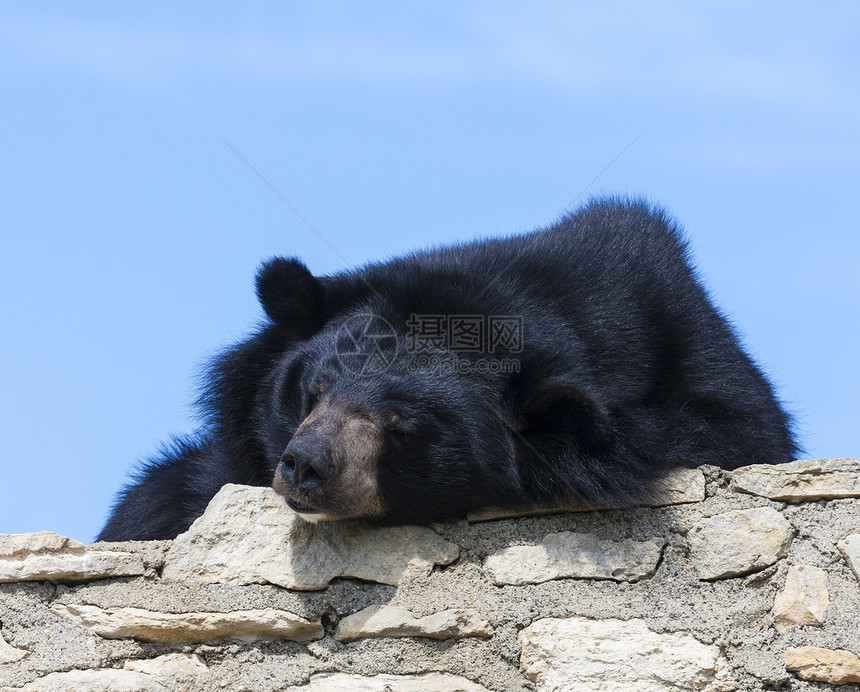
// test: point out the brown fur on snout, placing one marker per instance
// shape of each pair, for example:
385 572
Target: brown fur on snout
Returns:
352 443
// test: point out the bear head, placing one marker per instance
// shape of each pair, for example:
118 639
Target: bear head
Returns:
356 427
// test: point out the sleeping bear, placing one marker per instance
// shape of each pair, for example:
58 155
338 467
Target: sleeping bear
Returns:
574 363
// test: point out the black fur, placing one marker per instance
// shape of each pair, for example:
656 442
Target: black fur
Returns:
626 370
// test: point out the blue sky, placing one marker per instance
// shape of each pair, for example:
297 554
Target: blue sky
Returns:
131 231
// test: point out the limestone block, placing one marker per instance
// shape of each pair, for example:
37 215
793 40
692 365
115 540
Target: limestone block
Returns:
248 535
427 682
49 556
850 548
569 554
8 653
804 599
176 672
677 487
836 667
393 621
174 628
43 542
171 672
800 481
739 542
618 656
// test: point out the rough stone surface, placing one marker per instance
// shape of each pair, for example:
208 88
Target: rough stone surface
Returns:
393 621
41 543
428 682
801 480
49 556
176 672
679 486
100 680
8 653
804 599
248 535
569 554
585 655
850 549
739 542
734 616
173 628
168 673
823 665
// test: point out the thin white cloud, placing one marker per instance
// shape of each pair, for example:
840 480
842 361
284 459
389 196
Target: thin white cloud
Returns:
152 54
646 51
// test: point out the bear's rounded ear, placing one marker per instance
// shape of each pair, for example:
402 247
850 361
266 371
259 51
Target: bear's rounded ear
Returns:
291 296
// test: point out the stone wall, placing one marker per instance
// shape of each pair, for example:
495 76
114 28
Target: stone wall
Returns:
741 581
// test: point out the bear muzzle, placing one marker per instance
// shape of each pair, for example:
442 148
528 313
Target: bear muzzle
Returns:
329 468
303 463
302 469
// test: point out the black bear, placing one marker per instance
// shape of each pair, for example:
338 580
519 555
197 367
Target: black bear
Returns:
576 362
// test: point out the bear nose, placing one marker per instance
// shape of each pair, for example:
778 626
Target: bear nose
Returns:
303 462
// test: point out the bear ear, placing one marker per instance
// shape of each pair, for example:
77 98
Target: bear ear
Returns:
560 408
291 296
